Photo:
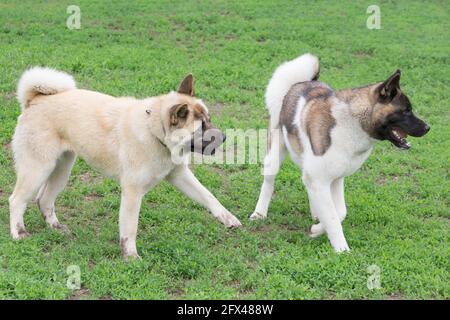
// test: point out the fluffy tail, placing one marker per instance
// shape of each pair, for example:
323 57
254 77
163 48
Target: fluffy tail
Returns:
303 68
40 80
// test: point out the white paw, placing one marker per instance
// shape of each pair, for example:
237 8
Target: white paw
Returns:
340 248
131 257
60 227
316 230
230 221
19 234
257 216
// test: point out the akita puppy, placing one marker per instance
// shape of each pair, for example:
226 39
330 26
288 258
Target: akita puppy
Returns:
329 134
138 142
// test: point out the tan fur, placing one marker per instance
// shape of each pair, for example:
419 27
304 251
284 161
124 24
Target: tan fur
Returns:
319 122
125 138
295 143
317 118
94 126
366 108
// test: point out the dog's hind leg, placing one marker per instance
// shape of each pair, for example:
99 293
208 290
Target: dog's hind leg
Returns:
130 206
272 164
30 177
54 185
337 191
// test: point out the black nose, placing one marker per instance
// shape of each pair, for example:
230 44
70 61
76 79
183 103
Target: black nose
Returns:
427 128
224 137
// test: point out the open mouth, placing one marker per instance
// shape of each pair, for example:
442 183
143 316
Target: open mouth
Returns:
398 138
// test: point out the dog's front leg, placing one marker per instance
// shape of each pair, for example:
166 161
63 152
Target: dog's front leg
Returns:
321 202
183 178
130 206
337 192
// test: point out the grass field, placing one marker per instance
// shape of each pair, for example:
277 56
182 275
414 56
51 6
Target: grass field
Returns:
398 202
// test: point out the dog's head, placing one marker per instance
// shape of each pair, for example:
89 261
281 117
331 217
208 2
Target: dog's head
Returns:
392 115
188 123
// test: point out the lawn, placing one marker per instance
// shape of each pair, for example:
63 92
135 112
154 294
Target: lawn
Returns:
398 202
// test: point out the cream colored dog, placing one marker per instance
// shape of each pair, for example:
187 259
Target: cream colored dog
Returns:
138 142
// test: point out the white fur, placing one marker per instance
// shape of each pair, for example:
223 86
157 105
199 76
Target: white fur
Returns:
39 80
303 68
323 175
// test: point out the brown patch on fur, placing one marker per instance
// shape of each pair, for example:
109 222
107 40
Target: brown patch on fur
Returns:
319 119
317 91
187 86
361 101
178 114
199 112
370 112
289 106
295 143
287 115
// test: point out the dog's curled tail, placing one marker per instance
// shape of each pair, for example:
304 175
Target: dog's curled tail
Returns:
39 80
303 68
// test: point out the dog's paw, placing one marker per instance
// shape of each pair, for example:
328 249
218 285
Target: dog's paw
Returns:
60 227
316 230
257 216
230 221
131 257
20 234
340 245
342 248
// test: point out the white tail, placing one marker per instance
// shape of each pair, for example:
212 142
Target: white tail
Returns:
303 68
40 80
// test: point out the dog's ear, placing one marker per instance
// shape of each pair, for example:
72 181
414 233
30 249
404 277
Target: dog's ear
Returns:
187 85
389 88
178 113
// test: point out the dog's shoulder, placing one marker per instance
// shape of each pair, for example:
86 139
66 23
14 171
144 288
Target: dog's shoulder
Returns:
308 105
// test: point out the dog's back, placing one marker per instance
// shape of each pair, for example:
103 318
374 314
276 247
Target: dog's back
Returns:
57 117
301 69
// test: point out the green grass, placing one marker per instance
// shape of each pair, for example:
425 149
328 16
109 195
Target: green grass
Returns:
398 202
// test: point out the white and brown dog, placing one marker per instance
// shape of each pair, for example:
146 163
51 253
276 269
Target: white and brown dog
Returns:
329 134
135 141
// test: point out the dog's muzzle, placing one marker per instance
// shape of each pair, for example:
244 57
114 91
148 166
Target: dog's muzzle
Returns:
206 142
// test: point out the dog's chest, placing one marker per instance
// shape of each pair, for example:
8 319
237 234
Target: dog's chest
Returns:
356 161
351 146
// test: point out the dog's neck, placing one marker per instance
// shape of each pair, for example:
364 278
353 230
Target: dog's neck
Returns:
360 101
